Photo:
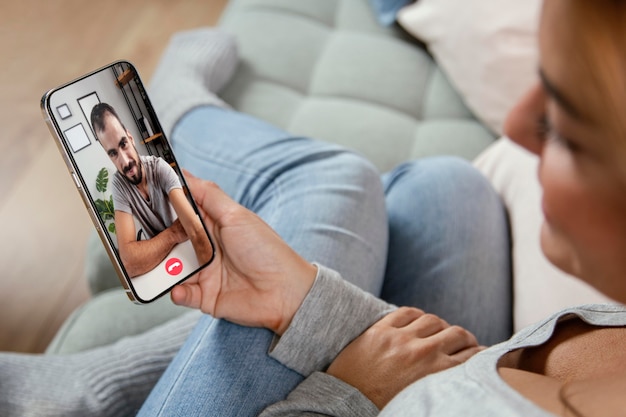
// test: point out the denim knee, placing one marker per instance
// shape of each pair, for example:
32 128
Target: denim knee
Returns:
357 169
430 187
449 245
438 167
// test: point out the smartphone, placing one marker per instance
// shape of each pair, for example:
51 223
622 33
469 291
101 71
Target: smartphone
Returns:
129 179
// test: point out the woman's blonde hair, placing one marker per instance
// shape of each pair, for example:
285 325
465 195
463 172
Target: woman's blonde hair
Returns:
597 29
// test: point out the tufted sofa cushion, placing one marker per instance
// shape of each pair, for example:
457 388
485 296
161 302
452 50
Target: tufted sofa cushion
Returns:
327 69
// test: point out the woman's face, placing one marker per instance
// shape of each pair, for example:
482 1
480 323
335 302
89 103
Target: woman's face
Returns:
584 198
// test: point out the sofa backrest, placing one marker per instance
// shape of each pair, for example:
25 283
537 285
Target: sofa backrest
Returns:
327 69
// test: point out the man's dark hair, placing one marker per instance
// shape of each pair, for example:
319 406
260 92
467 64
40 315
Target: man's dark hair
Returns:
97 117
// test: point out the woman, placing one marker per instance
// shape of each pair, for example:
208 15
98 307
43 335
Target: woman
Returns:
570 364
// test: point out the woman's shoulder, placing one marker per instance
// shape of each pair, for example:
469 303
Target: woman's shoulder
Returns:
593 314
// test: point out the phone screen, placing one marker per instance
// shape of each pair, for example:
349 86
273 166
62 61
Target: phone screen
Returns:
129 178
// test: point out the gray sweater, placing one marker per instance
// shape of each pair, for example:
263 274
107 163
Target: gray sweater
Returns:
335 312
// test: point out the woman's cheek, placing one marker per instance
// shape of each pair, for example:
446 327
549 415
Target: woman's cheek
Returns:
561 197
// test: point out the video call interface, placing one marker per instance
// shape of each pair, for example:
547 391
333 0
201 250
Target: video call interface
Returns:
114 139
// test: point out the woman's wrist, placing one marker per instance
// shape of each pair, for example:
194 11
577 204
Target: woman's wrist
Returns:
295 294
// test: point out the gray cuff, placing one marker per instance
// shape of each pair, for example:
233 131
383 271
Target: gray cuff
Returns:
323 395
333 314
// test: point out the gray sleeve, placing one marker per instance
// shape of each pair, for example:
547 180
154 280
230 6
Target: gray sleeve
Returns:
168 179
120 195
333 314
323 395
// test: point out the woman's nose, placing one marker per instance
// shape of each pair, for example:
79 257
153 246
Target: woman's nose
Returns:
524 122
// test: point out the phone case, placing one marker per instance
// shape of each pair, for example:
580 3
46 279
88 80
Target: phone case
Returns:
129 179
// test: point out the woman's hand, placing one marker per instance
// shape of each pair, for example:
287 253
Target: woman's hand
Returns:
255 279
401 348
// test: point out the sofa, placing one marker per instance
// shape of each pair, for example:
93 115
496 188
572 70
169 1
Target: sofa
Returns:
342 71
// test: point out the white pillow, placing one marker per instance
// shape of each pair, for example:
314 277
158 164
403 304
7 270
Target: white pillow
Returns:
487 48
539 288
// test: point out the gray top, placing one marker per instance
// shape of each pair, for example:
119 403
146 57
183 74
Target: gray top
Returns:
319 331
154 215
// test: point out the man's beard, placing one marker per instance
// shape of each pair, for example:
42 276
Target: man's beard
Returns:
134 179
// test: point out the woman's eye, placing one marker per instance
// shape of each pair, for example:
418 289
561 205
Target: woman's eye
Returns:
546 132
555 137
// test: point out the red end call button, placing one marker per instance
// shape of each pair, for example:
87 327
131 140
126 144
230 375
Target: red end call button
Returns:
174 266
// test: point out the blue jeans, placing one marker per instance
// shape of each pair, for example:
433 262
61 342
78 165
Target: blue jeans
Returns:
446 232
323 200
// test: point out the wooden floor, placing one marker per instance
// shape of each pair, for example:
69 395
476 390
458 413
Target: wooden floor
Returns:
43 224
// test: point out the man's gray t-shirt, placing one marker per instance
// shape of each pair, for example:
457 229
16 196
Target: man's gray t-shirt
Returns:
155 214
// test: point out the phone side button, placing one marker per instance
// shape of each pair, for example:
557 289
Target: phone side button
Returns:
131 297
76 181
94 219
